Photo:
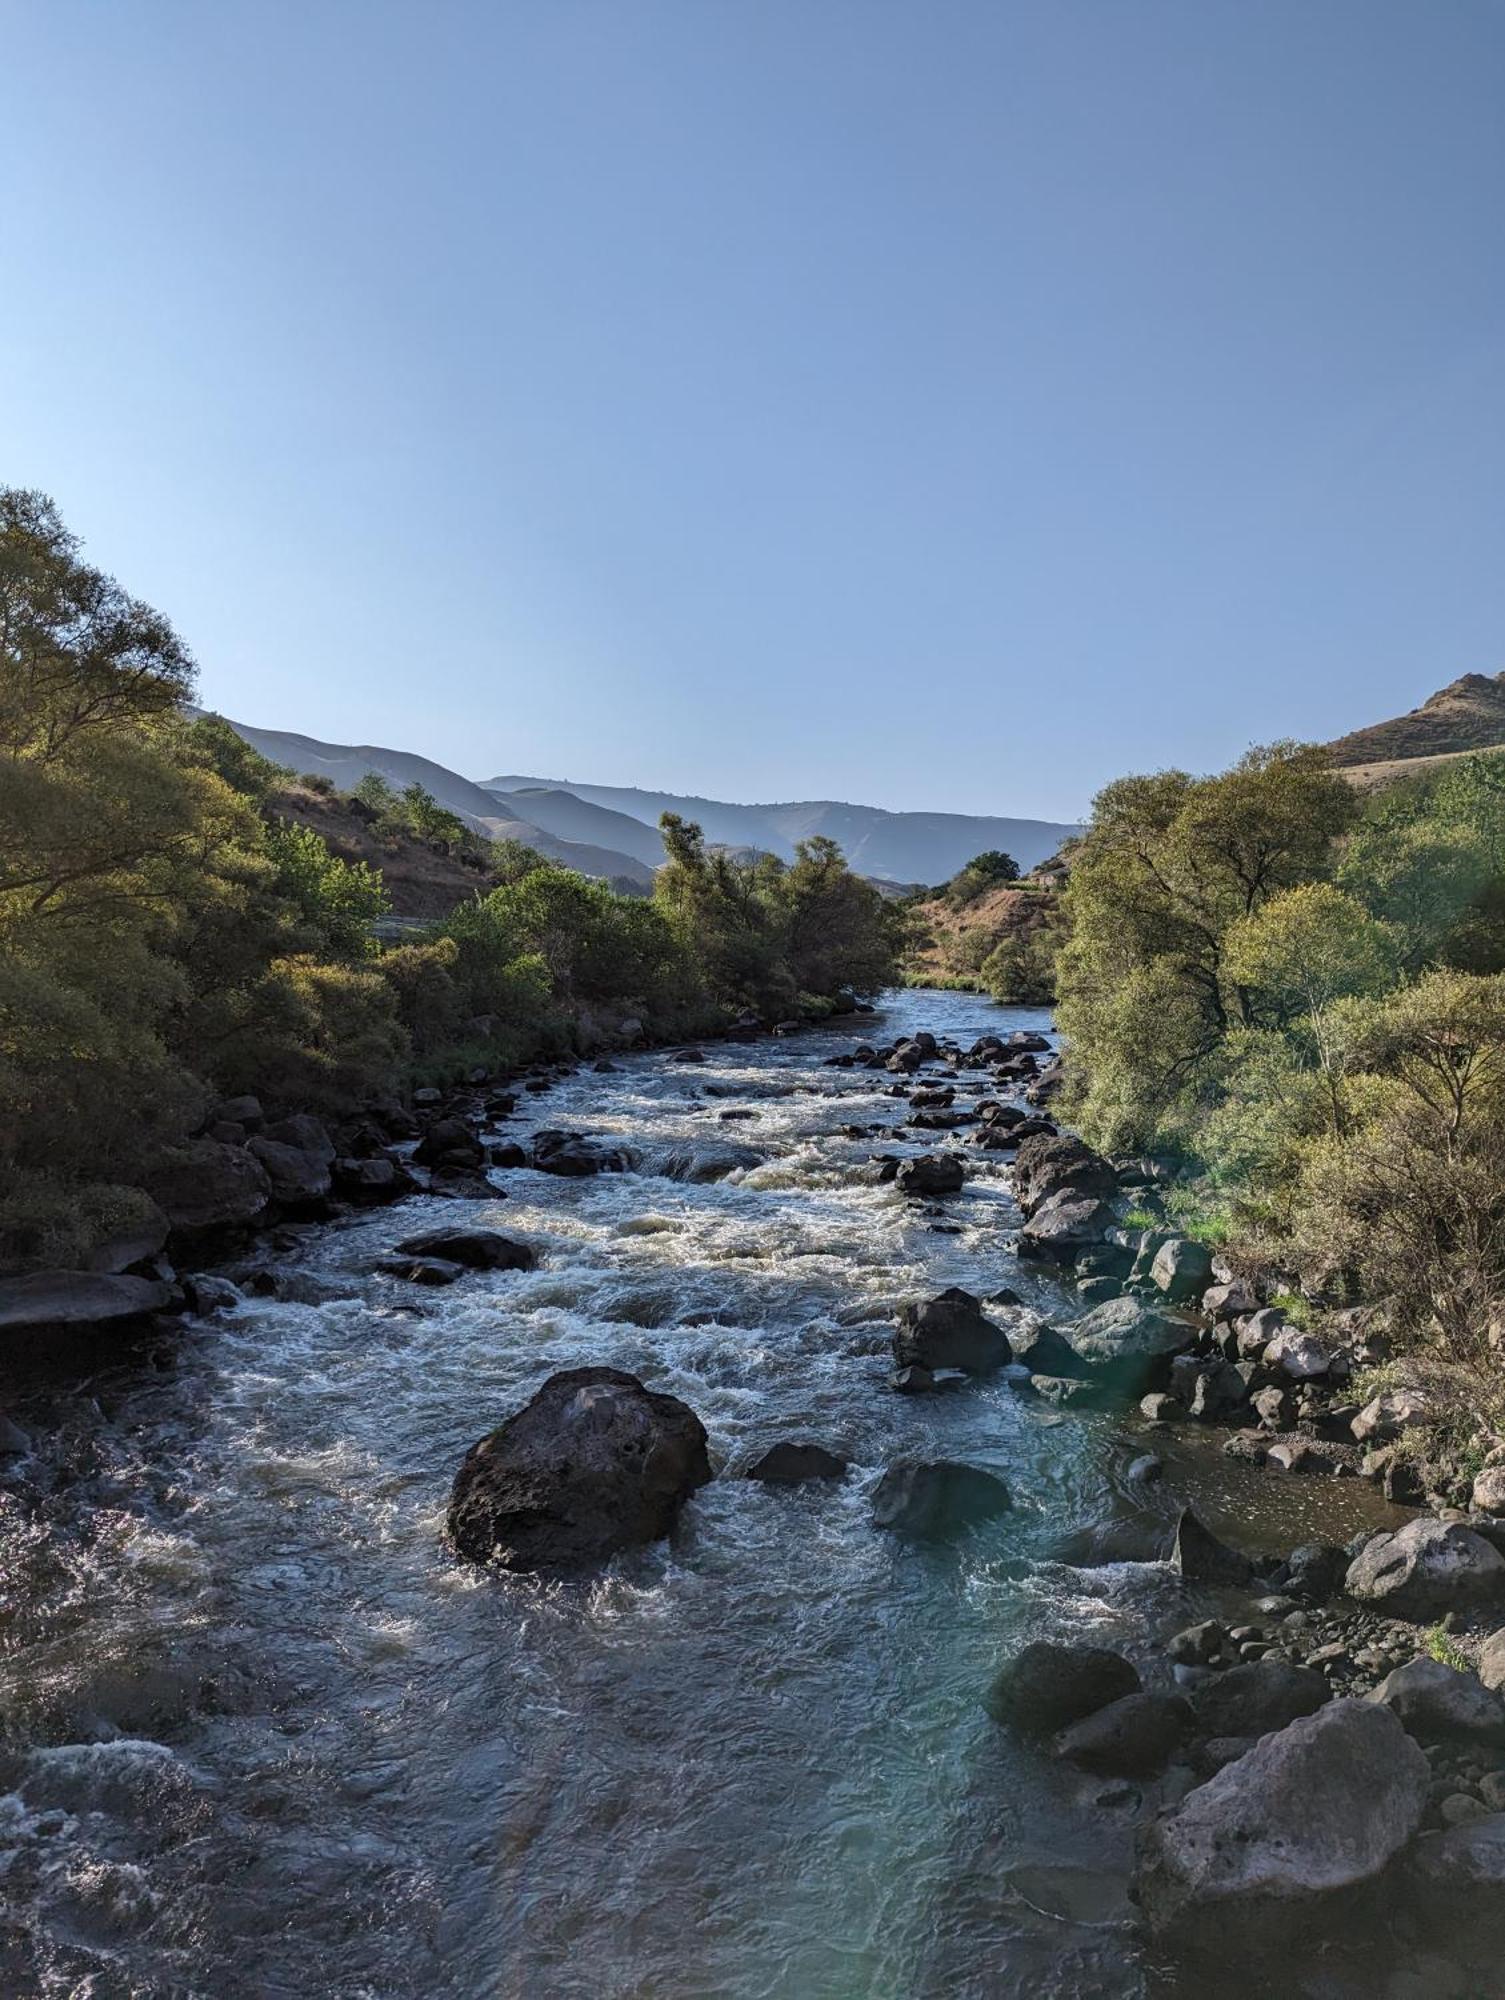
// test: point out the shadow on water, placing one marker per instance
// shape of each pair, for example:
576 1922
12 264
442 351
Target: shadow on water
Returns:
264 1737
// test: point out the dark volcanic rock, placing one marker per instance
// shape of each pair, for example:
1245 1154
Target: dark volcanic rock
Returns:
931 1174
933 1498
204 1186
1129 1343
77 1298
593 1464
1260 1695
1046 1687
1314 1809
1049 1165
574 1156
476 1249
950 1331
1062 1227
449 1142
789 1464
1200 1557
1439 1704
1130 1738
299 1179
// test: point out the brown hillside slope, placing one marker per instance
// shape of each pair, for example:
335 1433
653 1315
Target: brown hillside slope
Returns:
947 946
424 883
1469 714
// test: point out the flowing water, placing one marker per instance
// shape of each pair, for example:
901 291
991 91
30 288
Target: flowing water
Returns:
265 1737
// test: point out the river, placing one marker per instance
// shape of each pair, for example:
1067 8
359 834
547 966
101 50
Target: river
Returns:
265 1736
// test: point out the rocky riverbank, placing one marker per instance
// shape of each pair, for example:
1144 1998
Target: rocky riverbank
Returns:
1253 1736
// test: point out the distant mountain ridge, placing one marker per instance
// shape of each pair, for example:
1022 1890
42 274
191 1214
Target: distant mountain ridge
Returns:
891 846
1468 714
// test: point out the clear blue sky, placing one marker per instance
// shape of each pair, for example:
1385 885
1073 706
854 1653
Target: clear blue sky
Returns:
936 405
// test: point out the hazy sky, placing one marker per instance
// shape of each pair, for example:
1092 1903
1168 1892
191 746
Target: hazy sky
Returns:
943 405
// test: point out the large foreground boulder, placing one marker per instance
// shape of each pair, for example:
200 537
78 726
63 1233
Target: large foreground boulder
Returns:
951 1331
77 1298
934 1498
1426 1569
1048 1686
1316 1808
593 1464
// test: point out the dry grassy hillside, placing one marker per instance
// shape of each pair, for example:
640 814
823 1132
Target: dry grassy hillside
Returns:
948 945
1469 714
423 882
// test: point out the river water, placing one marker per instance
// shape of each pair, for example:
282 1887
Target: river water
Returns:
265 1737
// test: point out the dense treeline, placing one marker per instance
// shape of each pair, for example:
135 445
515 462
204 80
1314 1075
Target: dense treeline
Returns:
1301 992
168 938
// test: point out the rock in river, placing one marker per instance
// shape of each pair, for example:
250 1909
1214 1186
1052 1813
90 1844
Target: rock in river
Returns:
1129 1342
951 1331
933 1498
1062 1227
476 1249
1319 1807
790 1463
931 1174
1130 1738
1047 1687
77 1298
593 1464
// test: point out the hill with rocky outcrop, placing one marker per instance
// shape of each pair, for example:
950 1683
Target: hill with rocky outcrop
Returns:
1466 715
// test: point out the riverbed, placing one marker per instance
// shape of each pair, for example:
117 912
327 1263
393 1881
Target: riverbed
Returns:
266 1737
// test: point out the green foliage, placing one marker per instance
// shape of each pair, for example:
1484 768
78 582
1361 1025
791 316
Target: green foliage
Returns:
983 872
338 901
1441 1648
1020 970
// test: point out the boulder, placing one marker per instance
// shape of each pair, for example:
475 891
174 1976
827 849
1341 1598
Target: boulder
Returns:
934 1498
449 1142
1047 1686
1426 1569
420 1270
1317 1808
1182 1269
575 1157
371 1180
594 1463
305 1134
911 1381
1049 1164
1492 1660
1234 1300
1313 1572
1457 1878
1299 1356
1488 1492
1063 1226
1257 1696
1132 1737
134 1242
789 1464
298 1179
1199 1557
951 1331
77 1298
931 1174
476 1249
1129 1341
1048 1352
1209 1388
204 1186
1385 1417
1440 1704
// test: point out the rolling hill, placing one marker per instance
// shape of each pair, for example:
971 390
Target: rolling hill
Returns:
1468 714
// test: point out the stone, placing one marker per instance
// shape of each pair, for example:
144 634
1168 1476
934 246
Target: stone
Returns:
204 1186
1049 1352
705 1160
1051 1163
372 1180
1385 1417
951 1331
1457 1878
789 1463
573 1156
1300 1356
1199 1557
1488 1492
77 1298
208 1294
1160 1408
1063 1226
476 1249
1275 1408
1427 1568
931 1175
1133 1737
305 1134
1217 1390
449 1142
299 1180
1440 1704
1229 1301
1181 1269
1492 1660
1196 1645
911 1381
1129 1344
934 1498
1046 1686
420 1270
594 1463
1311 1810
136 1242
1257 1696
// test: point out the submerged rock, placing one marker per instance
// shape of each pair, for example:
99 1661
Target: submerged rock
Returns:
708 1160
933 1498
594 1463
1047 1686
951 1331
